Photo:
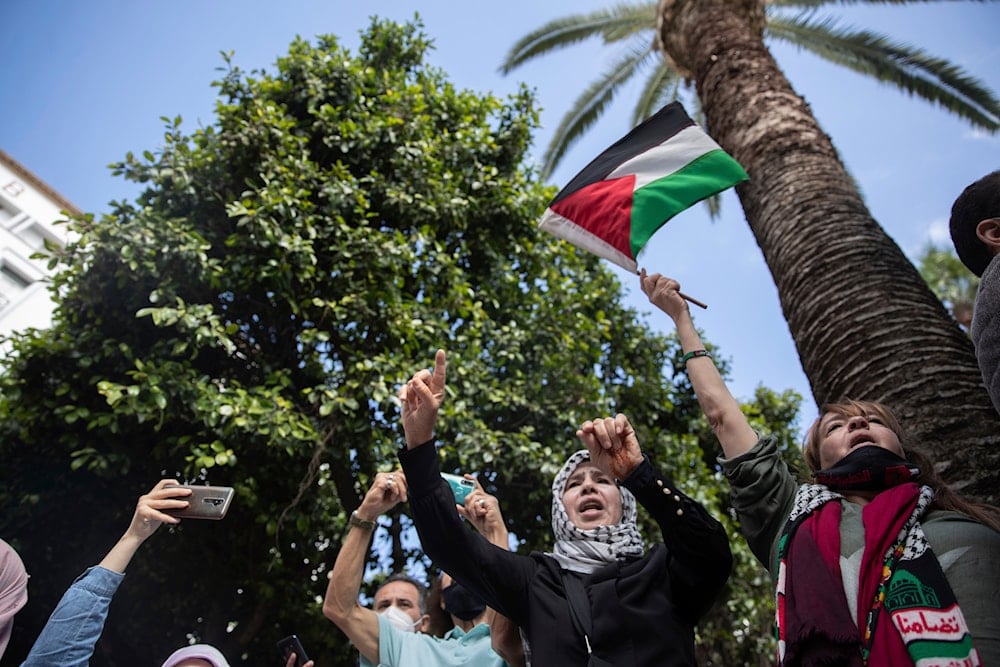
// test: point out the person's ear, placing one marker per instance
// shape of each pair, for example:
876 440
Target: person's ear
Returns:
988 231
424 622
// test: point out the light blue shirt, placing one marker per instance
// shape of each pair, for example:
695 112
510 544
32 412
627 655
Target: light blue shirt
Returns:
414 649
72 631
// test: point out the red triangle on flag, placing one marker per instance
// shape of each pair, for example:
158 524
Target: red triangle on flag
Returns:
604 209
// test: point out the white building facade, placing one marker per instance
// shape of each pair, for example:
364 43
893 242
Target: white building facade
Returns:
28 210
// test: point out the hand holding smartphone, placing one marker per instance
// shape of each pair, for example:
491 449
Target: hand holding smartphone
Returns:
205 502
460 486
289 645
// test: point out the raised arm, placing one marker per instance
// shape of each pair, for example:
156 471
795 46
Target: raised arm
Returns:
721 409
147 518
482 510
494 574
691 532
700 557
421 399
340 605
72 631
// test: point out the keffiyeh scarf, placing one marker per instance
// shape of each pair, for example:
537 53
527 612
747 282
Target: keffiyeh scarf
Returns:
586 550
907 612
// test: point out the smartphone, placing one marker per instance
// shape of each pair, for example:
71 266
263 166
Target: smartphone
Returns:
460 486
289 645
205 502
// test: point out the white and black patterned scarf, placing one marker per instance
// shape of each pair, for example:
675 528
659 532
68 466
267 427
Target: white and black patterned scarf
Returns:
586 550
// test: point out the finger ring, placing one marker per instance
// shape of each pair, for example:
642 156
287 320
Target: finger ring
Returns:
482 503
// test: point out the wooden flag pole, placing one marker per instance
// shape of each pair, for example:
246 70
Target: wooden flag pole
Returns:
693 300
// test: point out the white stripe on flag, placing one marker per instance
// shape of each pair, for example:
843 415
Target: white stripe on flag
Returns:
566 229
672 155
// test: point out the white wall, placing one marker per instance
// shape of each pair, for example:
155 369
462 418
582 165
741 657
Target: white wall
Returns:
28 211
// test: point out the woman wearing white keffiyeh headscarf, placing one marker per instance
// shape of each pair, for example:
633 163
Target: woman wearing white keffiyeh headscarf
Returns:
584 550
599 598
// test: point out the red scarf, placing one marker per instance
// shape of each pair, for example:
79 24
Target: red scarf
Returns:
814 625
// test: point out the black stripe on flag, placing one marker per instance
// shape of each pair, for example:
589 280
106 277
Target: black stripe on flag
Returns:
651 132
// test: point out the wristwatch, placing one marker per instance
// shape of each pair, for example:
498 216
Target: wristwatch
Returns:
357 521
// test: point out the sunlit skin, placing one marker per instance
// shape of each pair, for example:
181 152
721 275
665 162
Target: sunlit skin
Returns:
840 435
400 594
592 498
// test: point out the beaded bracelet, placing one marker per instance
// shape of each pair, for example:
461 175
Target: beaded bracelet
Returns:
694 353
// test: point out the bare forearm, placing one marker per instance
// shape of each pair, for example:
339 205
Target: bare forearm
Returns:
505 638
719 405
341 602
498 536
348 570
121 554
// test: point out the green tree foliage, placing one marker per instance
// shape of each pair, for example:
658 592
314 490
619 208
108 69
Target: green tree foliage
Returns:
248 319
950 280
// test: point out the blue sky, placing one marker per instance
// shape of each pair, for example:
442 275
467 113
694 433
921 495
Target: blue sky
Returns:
83 83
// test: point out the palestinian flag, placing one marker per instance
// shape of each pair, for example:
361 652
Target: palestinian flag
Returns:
663 166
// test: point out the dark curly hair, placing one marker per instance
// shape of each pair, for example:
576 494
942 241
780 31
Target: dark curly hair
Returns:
979 201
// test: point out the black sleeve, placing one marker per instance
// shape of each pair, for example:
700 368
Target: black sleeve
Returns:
498 576
700 558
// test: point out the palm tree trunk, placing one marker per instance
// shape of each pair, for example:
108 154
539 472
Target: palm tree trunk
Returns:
864 322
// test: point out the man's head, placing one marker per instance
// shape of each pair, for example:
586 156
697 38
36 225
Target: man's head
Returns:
401 593
975 223
460 602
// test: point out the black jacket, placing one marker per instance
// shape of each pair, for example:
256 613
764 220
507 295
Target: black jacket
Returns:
643 611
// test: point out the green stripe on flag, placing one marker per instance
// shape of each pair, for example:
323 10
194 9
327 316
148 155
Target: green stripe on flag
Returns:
662 199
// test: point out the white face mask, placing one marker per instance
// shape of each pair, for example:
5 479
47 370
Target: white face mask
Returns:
400 619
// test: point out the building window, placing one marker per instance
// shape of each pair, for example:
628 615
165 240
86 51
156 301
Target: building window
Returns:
13 188
9 277
34 235
7 211
12 283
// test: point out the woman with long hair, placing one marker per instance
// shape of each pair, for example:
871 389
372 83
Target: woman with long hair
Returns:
876 562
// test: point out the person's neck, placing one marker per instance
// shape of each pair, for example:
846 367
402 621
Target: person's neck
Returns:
468 625
860 497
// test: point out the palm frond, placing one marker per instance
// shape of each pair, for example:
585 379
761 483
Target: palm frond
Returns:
590 104
813 4
713 203
662 86
635 18
612 25
909 68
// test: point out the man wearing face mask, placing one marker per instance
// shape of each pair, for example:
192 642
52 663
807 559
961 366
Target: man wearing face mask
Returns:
391 634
